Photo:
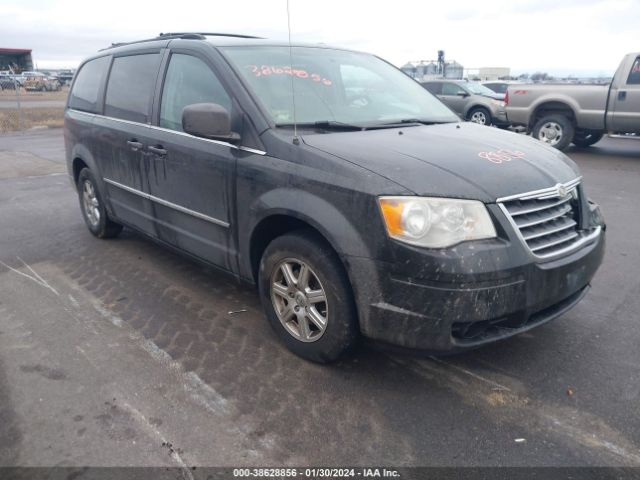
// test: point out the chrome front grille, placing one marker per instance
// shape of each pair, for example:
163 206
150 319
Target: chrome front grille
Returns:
547 221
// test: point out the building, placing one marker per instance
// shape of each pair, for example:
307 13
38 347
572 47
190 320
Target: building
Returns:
494 73
453 71
421 70
18 59
424 70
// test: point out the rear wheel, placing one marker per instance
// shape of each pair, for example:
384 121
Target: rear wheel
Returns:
480 115
555 130
586 138
93 209
307 297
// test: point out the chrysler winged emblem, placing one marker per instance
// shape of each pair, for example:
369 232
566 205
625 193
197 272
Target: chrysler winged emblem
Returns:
562 190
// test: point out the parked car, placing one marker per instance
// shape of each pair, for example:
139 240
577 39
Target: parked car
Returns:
7 81
562 114
368 210
65 77
470 100
37 81
499 87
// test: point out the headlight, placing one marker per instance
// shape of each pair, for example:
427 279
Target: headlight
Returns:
435 222
498 103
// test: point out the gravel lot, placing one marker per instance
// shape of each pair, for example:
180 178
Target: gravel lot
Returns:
123 353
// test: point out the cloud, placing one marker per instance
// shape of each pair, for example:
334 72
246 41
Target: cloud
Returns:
525 35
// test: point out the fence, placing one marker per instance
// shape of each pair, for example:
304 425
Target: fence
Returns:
22 109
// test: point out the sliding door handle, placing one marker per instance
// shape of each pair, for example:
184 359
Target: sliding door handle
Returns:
158 150
134 144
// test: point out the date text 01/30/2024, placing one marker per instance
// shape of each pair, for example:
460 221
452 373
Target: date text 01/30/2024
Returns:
316 472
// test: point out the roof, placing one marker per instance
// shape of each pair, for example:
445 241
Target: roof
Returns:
446 80
510 82
15 50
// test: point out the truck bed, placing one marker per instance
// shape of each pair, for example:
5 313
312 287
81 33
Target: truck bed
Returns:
587 102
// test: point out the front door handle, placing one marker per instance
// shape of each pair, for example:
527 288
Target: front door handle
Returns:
134 144
622 95
158 150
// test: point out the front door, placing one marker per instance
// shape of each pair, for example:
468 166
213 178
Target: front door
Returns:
191 179
626 102
452 96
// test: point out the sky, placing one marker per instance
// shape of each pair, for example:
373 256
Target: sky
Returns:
561 37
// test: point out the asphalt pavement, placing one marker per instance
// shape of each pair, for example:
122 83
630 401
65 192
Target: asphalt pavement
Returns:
121 352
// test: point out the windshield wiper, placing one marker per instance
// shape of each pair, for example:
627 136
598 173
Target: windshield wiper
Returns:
412 121
326 125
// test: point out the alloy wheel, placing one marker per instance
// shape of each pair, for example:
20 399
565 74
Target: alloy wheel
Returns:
299 300
91 204
479 117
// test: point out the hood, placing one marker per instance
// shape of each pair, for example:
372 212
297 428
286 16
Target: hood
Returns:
461 160
492 96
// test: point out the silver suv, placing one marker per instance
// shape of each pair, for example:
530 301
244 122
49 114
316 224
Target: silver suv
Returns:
472 101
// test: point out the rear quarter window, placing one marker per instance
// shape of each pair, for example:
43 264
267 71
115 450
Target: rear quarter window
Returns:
84 95
131 85
498 87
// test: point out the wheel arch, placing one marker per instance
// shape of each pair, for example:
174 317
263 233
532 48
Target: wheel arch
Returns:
293 209
553 107
80 158
77 165
474 106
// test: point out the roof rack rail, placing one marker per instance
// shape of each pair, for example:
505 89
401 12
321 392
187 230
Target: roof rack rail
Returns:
205 34
182 35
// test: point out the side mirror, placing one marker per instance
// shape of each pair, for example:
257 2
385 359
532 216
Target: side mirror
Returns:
208 120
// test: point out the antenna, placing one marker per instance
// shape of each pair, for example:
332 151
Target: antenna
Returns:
293 91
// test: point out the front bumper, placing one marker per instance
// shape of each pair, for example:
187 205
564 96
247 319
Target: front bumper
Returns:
468 296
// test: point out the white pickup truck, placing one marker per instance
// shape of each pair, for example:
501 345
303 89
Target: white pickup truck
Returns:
580 114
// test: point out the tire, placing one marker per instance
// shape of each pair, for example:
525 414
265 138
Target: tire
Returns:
554 130
480 115
326 276
92 207
586 138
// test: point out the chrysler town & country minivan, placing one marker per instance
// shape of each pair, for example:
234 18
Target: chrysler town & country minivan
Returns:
358 203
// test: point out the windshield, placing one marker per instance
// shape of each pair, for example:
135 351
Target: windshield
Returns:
333 86
478 89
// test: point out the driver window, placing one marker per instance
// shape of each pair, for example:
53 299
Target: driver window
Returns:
634 75
451 89
189 80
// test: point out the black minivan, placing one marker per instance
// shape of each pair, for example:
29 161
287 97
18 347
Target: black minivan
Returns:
358 203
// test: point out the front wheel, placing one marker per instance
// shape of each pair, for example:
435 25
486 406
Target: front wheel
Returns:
93 209
586 138
555 130
307 297
480 115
